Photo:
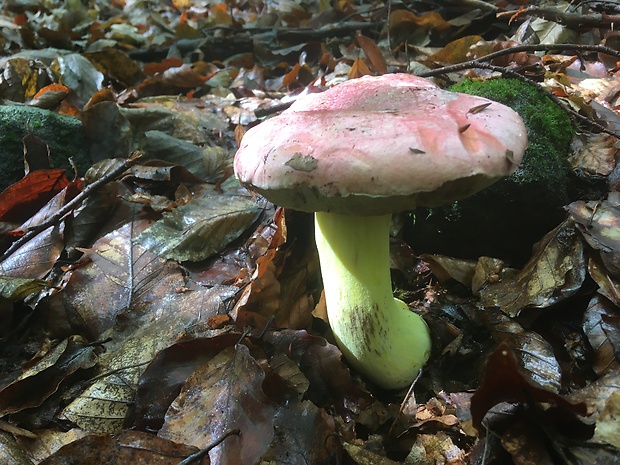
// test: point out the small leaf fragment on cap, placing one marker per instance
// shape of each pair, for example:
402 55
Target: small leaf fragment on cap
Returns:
302 162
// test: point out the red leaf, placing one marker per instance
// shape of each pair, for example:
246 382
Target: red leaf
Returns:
28 195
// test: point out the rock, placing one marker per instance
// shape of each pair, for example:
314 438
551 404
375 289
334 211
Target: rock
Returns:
63 134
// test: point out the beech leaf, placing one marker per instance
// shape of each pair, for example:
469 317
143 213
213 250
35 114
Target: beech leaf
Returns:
555 271
222 394
202 227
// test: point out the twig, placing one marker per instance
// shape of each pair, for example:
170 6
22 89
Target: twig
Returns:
521 48
201 453
562 17
69 206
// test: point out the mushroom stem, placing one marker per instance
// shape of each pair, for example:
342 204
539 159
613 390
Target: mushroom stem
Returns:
378 334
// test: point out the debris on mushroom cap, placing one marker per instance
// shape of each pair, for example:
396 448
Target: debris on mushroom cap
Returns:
378 145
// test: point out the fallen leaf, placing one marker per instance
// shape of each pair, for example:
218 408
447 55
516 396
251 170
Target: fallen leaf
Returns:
603 336
599 223
608 427
126 447
555 272
202 227
223 393
41 380
503 382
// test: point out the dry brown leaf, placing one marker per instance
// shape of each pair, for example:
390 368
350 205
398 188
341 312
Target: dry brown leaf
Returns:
456 51
373 53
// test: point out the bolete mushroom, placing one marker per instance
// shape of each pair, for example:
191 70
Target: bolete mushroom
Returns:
354 155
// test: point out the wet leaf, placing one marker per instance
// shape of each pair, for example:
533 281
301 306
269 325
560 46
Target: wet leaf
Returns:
28 195
533 354
163 379
321 363
80 75
42 379
158 320
117 275
202 227
15 289
224 393
602 334
599 223
596 394
503 382
303 434
36 257
207 163
123 448
554 273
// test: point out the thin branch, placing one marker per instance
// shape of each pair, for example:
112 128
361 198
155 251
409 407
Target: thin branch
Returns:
201 453
559 16
74 203
521 48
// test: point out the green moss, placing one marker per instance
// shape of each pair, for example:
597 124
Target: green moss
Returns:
549 129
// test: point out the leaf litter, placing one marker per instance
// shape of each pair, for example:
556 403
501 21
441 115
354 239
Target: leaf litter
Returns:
169 315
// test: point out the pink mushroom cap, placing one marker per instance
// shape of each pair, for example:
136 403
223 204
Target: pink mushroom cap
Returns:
378 145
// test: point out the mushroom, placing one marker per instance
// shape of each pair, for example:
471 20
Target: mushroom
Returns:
357 153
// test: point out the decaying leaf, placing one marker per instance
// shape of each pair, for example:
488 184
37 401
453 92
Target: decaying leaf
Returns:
41 380
123 448
103 406
532 353
15 289
603 335
503 382
555 271
224 393
164 377
599 223
117 275
36 257
608 427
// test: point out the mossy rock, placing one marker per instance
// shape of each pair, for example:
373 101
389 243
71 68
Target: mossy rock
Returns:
63 134
506 219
